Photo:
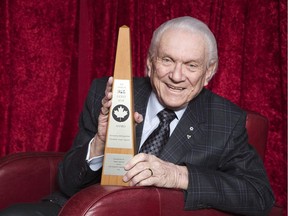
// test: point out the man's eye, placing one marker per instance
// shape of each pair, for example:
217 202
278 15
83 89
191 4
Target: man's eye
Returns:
191 67
167 61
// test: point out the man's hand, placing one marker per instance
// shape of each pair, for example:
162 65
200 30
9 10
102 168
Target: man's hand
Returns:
98 144
148 170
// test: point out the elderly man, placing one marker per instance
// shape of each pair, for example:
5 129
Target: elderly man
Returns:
207 153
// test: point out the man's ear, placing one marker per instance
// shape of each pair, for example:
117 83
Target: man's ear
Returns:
148 66
210 72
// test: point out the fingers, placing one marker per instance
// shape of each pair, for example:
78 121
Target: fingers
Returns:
109 85
105 108
137 159
151 171
140 171
138 117
103 116
147 170
106 101
143 178
139 177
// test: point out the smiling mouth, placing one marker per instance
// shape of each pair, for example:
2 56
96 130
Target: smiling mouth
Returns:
175 88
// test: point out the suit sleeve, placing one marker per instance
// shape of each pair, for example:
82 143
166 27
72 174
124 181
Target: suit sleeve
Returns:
74 172
239 182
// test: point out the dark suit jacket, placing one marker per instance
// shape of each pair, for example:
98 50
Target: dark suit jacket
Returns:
225 172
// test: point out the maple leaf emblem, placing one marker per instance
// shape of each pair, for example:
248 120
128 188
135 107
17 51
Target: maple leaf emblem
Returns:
120 112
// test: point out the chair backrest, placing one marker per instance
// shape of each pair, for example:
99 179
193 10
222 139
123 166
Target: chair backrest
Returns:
257 129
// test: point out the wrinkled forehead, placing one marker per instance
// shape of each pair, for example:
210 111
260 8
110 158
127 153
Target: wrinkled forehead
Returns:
183 44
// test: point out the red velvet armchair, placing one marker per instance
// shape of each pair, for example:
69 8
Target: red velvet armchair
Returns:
21 181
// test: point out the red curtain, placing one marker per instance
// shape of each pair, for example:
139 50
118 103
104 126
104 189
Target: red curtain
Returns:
51 50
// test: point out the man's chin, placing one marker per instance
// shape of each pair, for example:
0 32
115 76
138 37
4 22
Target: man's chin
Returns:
174 105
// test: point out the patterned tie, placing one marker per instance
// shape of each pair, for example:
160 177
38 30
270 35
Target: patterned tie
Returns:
159 137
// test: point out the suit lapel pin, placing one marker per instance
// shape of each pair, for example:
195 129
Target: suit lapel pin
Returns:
191 129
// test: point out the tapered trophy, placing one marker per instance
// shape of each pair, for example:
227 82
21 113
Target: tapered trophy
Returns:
120 138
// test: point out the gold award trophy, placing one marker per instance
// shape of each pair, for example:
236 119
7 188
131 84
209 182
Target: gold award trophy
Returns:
120 138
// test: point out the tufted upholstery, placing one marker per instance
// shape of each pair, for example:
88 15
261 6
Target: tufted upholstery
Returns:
22 181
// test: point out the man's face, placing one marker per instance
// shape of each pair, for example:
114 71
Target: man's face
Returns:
179 71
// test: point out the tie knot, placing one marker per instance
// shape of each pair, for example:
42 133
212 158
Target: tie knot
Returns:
166 116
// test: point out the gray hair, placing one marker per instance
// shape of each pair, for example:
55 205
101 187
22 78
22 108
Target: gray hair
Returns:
193 25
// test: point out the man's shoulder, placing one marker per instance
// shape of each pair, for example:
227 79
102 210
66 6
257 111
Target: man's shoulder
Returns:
100 81
220 110
141 85
98 84
220 103
141 80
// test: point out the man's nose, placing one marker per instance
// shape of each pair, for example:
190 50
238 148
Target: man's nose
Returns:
177 73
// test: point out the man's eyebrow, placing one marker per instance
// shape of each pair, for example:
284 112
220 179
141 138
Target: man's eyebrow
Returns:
198 61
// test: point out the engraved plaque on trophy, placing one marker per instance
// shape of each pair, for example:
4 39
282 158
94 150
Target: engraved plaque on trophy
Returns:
120 138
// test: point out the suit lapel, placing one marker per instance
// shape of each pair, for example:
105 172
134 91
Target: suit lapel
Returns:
142 91
189 130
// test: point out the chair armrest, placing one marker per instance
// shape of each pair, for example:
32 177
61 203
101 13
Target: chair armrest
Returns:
27 177
130 201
